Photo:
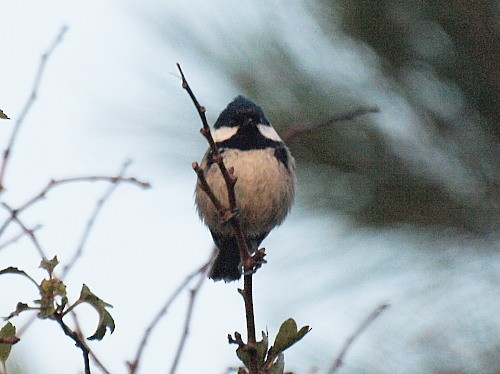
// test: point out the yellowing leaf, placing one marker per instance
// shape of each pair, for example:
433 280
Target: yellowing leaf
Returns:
49 290
49 265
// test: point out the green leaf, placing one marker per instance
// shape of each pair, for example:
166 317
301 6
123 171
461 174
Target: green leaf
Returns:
105 319
279 366
288 335
3 115
49 265
262 348
9 332
304 330
243 356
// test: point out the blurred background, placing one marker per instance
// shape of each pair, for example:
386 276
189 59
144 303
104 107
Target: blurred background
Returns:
398 207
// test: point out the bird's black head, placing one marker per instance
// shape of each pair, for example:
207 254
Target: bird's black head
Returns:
241 112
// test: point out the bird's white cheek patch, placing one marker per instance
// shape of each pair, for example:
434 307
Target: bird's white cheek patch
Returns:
224 133
269 132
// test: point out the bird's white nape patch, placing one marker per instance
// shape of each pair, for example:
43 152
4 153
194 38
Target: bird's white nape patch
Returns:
224 133
269 132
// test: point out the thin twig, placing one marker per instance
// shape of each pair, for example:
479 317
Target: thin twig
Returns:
15 238
192 297
29 103
9 340
59 182
339 360
79 342
28 231
91 221
230 370
249 262
22 329
227 174
134 365
298 130
200 109
217 157
221 209
78 330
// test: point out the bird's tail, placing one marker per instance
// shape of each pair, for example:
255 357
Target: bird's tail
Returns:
227 265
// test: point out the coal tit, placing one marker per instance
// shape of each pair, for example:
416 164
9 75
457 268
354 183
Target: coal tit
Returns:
264 189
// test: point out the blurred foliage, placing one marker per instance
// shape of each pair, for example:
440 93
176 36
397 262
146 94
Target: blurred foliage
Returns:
456 39
438 60
451 45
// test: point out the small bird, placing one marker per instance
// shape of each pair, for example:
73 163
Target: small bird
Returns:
264 189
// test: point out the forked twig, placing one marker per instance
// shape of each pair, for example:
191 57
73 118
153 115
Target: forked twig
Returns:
339 360
192 297
228 176
79 342
249 262
134 365
90 222
95 178
27 231
221 209
15 238
92 355
59 182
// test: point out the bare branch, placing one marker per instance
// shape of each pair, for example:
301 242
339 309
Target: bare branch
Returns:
201 109
90 223
222 210
192 297
28 232
205 131
78 339
251 346
21 330
78 331
340 357
250 263
29 103
15 238
59 182
298 130
133 365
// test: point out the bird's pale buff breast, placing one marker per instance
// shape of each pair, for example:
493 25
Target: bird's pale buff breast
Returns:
261 207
